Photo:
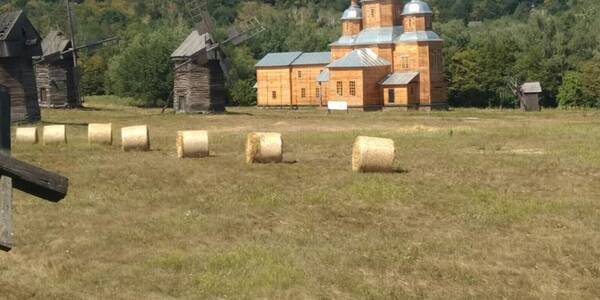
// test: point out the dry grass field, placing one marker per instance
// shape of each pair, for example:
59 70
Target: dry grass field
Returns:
486 204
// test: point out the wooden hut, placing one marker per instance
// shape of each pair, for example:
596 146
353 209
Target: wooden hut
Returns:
54 72
19 42
530 96
199 78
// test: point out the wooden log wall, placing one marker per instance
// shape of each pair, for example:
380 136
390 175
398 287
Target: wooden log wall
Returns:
305 77
200 88
18 76
56 81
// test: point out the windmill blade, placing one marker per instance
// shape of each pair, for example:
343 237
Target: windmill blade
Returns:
244 31
206 24
223 61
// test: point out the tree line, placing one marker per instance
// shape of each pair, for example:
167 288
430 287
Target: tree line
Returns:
487 44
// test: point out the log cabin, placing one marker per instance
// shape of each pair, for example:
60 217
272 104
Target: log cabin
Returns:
199 85
19 42
387 57
54 73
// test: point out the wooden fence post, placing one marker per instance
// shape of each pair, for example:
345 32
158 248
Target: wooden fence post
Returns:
6 230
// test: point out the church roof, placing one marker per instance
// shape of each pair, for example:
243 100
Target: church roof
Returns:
193 44
399 78
359 58
416 7
370 36
313 58
284 59
354 12
278 59
419 36
531 87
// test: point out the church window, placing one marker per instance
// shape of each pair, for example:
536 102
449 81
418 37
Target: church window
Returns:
318 92
299 74
274 95
352 88
339 88
404 62
372 13
303 93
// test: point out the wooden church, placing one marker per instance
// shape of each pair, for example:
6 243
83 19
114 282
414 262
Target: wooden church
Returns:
199 78
54 72
19 42
387 57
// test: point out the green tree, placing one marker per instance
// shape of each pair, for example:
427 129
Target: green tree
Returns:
572 92
92 80
591 78
144 70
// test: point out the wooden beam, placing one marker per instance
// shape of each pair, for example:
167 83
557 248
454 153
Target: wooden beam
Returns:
6 231
33 180
4 119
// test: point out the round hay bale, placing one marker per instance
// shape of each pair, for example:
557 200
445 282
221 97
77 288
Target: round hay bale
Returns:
371 154
192 144
264 147
100 133
27 135
54 134
135 138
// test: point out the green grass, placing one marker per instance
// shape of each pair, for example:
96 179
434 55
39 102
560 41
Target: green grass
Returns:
492 204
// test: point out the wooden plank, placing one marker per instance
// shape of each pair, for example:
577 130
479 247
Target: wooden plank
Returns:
6 231
5 119
33 180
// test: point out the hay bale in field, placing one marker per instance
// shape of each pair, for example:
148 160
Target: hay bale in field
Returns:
54 134
192 144
100 133
27 135
264 147
135 138
371 154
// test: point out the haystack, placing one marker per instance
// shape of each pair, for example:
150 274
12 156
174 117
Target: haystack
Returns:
135 138
27 135
192 144
264 147
371 154
100 133
54 134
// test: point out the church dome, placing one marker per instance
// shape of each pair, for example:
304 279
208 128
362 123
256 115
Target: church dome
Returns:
416 7
354 12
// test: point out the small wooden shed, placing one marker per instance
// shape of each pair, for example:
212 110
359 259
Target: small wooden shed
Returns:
19 42
199 79
54 72
530 96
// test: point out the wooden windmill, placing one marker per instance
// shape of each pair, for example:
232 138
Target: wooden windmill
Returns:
57 71
201 65
528 93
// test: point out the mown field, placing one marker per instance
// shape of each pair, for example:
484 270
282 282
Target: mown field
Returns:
488 204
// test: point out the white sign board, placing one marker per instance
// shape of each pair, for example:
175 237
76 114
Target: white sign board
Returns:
337 105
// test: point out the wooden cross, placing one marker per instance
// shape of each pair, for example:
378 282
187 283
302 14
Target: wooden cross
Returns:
22 176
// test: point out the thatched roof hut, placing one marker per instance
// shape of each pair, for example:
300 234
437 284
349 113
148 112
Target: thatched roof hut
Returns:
19 42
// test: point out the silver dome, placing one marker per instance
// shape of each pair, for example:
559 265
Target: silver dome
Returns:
354 12
416 7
